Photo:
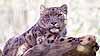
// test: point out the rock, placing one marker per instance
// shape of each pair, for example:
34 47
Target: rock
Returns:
87 47
82 46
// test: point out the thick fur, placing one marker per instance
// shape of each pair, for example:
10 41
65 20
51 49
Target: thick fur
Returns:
51 22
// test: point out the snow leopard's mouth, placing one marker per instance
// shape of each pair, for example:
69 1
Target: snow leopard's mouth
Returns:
54 29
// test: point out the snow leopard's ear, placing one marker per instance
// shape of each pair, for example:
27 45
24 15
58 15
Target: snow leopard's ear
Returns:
64 8
42 8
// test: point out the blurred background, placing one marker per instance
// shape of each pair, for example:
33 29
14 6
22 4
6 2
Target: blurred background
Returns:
17 16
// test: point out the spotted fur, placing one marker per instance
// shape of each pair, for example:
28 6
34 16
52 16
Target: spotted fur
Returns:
51 22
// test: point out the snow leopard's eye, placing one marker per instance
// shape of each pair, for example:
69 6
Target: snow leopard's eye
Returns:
59 15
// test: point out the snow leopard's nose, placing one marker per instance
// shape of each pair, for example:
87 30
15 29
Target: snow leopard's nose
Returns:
53 23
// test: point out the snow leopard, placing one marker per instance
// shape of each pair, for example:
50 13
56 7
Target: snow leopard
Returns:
51 22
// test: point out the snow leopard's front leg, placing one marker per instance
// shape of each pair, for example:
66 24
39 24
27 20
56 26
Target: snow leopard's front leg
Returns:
13 44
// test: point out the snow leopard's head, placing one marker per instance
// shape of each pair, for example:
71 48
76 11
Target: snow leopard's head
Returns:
53 18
